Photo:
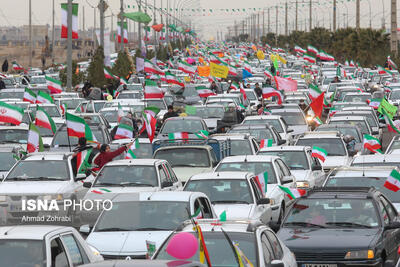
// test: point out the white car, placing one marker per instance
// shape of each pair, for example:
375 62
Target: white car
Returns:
376 160
278 174
295 119
44 245
240 144
307 169
258 243
51 109
236 194
111 114
146 216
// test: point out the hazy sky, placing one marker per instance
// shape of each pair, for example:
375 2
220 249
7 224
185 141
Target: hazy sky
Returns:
15 12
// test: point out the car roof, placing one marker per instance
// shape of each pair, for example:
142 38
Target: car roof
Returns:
184 118
263 117
210 225
231 136
30 232
376 158
346 118
285 110
47 156
176 196
14 127
284 148
128 162
222 175
249 158
377 171
340 192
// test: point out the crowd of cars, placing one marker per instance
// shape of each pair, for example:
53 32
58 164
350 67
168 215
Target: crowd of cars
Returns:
347 217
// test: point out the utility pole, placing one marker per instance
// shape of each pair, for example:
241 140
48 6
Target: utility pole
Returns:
263 22
69 46
243 27
121 14
383 15
310 15
155 21
30 33
297 10
358 15
94 27
276 30
258 26
286 19
393 37
83 21
102 23
52 34
334 15
269 21
140 28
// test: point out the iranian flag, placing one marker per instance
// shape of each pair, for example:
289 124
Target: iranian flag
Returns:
35 142
53 85
312 49
178 136
268 92
233 70
63 108
268 74
171 78
393 181
317 121
29 96
152 110
243 92
120 112
314 91
351 64
234 86
130 154
77 127
64 19
287 85
309 58
124 131
82 161
391 63
325 56
160 63
203 91
10 114
123 81
119 32
150 67
293 193
319 153
382 70
246 66
151 90
341 72
16 66
150 125
108 74
371 143
393 126
298 49
197 214
202 134
44 98
266 143
262 181
186 67
42 119
170 64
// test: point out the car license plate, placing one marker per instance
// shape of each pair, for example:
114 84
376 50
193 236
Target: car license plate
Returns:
318 265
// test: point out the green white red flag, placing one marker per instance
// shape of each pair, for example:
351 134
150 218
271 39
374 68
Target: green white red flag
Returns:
393 181
55 86
150 67
64 19
42 119
29 96
124 131
130 154
151 90
150 123
82 161
202 134
120 112
262 181
268 92
44 98
35 142
172 79
10 114
203 91
266 143
178 136
186 67
77 127
371 143
293 193
319 153
234 86
108 74
310 59
16 66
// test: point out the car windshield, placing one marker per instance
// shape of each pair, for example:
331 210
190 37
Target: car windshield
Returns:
156 103
295 160
352 131
221 253
125 175
61 138
51 110
333 213
292 118
13 136
22 252
44 132
395 145
110 115
254 167
334 146
176 126
259 134
251 95
222 191
184 157
240 147
210 112
143 216
71 103
6 161
361 124
5 95
394 95
367 181
39 169
98 106
36 80
130 95
356 98
275 123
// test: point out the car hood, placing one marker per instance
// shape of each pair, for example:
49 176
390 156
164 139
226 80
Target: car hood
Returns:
34 187
302 175
126 243
184 173
298 129
110 192
335 161
235 211
327 239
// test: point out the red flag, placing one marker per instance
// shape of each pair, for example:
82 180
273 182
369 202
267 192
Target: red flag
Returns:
318 104
284 84
158 27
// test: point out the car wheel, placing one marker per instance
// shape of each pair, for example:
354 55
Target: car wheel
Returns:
281 213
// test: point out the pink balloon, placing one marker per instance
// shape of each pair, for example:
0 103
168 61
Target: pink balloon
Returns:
182 246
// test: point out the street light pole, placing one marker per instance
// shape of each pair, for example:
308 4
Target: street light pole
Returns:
52 35
393 28
358 15
334 15
102 23
69 46
310 15
30 33
122 25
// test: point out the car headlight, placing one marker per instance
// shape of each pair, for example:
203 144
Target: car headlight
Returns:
303 184
3 198
53 197
94 250
361 254
272 201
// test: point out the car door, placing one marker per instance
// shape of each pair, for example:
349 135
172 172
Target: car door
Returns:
393 236
172 177
56 253
267 252
275 245
318 175
165 183
75 252
264 210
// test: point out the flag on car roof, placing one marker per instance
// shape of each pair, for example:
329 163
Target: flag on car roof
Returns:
234 85
262 181
120 112
16 66
186 67
393 181
82 161
309 58
123 81
29 96
150 67
202 134
172 79
317 121
317 105
268 73
197 214
151 90
124 131
285 84
266 143
243 92
10 113
150 123
371 143
44 98
393 126
203 91
312 49
77 127
293 193
35 142
319 153
54 85
268 92
63 108
178 136
42 119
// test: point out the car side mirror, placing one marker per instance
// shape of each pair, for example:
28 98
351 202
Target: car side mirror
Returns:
316 168
392 226
87 184
287 179
166 184
275 226
281 142
263 201
214 164
46 146
85 229
80 177
290 130
277 263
